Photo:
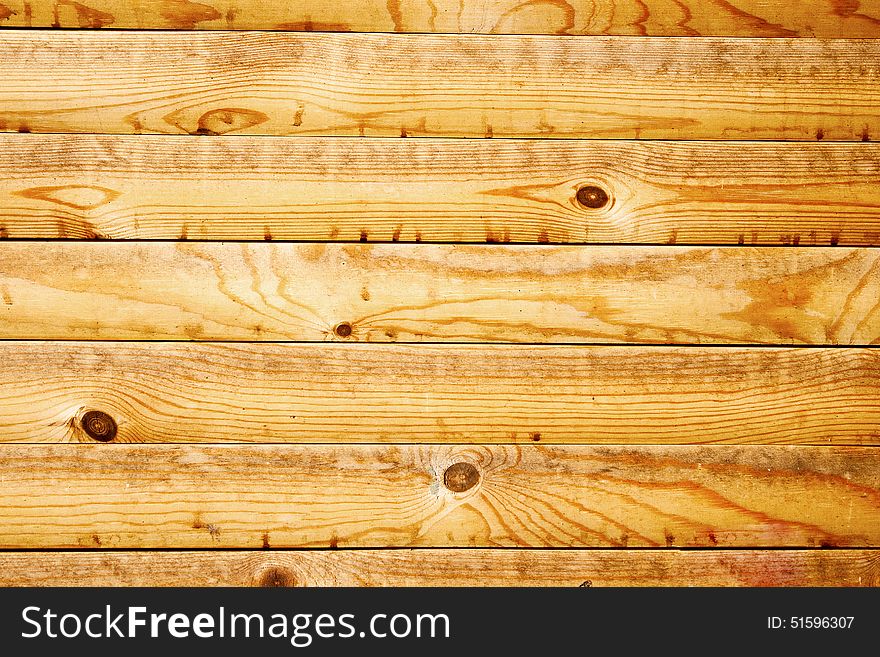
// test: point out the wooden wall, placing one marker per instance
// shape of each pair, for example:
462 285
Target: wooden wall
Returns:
440 293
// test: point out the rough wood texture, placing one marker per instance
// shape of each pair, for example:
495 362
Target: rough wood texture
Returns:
256 188
179 392
419 292
243 496
763 18
211 83
447 567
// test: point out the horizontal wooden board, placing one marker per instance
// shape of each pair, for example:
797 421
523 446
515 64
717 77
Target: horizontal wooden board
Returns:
762 18
250 496
195 392
429 292
446 567
313 188
210 83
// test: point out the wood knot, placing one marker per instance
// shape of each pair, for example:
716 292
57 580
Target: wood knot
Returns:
460 477
592 197
277 577
343 330
98 426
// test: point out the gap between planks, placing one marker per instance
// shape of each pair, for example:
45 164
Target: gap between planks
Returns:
188 496
323 393
210 83
413 293
446 567
438 190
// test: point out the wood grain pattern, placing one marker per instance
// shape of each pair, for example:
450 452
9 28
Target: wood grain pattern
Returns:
210 83
184 392
258 188
419 292
443 567
764 18
250 496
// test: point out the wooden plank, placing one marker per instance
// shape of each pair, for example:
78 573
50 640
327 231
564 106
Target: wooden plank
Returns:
446 567
211 83
419 292
250 496
763 18
300 393
256 188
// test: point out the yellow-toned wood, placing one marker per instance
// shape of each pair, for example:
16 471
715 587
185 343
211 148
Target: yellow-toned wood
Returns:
765 18
247 496
178 392
421 292
444 567
211 83
256 188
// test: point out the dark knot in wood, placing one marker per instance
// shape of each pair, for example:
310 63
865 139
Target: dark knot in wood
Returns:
98 426
592 197
460 477
277 577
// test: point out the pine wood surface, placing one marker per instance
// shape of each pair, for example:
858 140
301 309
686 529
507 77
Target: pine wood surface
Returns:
275 83
407 190
610 218
320 496
443 567
424 293
305 393
751 18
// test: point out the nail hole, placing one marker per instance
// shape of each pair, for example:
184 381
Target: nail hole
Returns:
343 330
98 426
592 197
460 477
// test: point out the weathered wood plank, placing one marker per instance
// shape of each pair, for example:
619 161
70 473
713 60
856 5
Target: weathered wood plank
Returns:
248 496
188 392
256 188
277 83
764 18
419 292
445 567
